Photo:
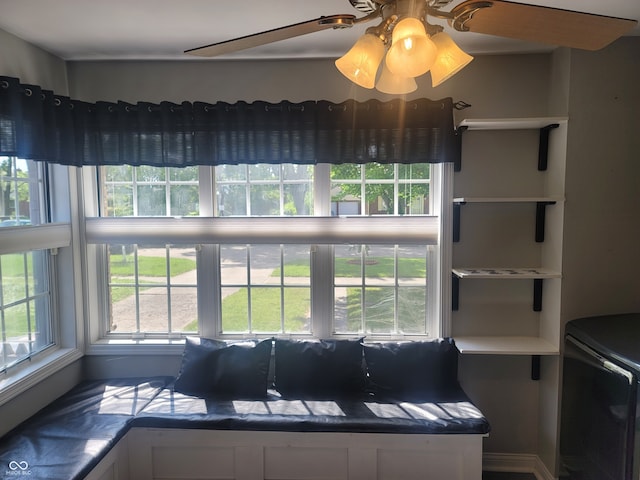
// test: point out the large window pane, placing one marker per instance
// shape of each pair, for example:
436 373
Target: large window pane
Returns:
265 288
21 192
153 289
380 189
265 200
152 200
380 289
25 306
149 191
264 190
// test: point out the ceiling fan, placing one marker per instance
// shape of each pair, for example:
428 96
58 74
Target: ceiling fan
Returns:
413 46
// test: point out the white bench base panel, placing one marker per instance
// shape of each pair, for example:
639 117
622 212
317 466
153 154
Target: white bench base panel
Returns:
172 454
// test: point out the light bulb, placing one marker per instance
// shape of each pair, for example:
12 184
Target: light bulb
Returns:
360 64
450 60
412 52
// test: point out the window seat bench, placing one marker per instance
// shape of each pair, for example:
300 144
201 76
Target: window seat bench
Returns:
69 437
130 428
137 429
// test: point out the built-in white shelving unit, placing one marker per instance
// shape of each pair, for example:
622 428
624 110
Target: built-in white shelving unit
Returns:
508 215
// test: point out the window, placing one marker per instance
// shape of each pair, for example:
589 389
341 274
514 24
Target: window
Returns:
21 192
240 286
25 306
25 288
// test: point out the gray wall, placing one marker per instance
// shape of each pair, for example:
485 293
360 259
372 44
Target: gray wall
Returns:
35 66
602 226
597 90
31 64
495 86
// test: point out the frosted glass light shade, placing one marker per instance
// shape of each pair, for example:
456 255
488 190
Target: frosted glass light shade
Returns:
412 52
360 64
450 60
395 84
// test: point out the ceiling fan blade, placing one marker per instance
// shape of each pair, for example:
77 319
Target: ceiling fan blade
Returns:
275 35
539 24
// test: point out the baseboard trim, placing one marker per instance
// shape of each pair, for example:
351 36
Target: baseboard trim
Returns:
516 463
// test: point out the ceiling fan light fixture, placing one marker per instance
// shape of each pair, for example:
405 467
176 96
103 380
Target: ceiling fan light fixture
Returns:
395 84
412 52
360 64
450 59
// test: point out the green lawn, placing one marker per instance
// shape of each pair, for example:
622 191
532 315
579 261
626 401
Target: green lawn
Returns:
265 302
378 267
15 321
13 289
266 310
379 309
123 266
122 271
13 265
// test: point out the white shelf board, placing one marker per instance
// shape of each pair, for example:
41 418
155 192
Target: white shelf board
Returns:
505 273
505 345
506 199
509 123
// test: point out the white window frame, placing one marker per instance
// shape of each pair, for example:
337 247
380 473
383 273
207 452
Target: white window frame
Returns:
135 230
59 236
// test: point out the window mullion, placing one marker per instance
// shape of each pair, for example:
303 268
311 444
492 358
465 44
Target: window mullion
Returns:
282 288
206 191
134 192
168 277
322 260
249 284
396 288
27 295
2 318
167 192
136 280
209 290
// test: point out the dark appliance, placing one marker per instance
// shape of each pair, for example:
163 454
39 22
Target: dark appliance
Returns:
600 422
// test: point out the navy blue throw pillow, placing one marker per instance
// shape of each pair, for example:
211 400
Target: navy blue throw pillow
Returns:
319 368
238 370
412 370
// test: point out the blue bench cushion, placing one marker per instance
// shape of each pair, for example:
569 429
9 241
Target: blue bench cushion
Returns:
66 439
451 414
319 369
412 370
237 370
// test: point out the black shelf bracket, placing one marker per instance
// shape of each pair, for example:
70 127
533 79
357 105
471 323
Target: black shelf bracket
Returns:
540 219
535 367
456 221
457 162
537 294
543 148
455 292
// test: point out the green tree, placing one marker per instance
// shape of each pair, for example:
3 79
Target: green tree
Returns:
13 181
384 191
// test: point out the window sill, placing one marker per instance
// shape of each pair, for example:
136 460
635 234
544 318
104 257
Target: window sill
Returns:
128 346
25 377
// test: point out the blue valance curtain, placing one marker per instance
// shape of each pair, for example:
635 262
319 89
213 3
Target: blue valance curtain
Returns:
37 124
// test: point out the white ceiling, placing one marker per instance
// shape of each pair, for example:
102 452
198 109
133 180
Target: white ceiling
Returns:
163 29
